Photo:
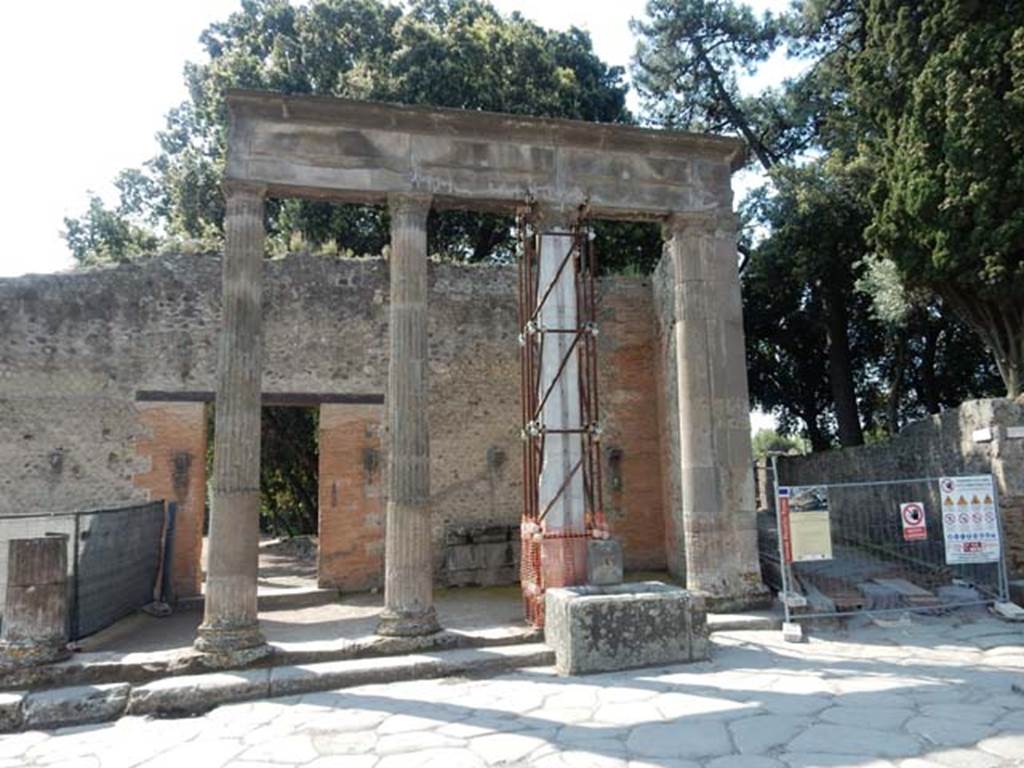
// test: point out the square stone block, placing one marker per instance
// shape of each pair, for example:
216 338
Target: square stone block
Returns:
604 562
640 624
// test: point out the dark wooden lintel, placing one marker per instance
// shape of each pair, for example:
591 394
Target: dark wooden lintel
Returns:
269 398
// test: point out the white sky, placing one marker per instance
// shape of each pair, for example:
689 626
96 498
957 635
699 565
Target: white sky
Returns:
86 86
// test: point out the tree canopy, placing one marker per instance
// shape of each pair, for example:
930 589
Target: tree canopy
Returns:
449 53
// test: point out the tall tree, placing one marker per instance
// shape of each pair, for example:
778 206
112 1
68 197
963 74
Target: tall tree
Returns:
940 85
451 53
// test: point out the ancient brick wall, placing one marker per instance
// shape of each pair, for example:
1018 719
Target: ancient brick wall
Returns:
173 440
77 348
945 444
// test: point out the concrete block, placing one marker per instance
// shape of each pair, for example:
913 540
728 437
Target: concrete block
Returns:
61 707
604 562
607 628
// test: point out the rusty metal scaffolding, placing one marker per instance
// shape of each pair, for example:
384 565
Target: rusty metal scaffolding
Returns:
535 573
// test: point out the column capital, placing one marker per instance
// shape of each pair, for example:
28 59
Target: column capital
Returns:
706 222
409 204
234 188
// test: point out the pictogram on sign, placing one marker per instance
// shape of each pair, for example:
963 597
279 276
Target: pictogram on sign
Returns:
912 516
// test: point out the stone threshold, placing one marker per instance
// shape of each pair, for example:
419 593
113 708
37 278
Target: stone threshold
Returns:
98 668
749 620
189 695
273 600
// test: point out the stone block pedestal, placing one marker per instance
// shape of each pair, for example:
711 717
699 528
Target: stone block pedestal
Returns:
623 626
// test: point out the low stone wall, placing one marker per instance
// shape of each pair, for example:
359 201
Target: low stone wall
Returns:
979 437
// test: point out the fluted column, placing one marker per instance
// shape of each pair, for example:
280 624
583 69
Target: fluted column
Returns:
230 622
719 522
408 565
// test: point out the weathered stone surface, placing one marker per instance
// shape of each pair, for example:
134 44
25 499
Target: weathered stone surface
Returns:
604 562
485 160
408 586
194 694
10 710
74 706
599 629
325 330
35 621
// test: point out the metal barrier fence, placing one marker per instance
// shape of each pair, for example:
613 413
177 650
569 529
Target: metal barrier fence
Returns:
114 558
916 544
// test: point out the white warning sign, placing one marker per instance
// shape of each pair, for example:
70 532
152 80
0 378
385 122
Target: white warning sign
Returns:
969 522
912 516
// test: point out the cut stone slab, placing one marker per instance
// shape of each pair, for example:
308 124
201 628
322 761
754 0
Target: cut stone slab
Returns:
609 628
680 739
195 694
604 562
74 706
844 740
757 735
10 710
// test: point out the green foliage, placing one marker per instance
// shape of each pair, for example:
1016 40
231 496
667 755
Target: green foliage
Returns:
941 84
689 56
289 471
768 441
450 53
104 236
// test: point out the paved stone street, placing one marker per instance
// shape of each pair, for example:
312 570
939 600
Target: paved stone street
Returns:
937 692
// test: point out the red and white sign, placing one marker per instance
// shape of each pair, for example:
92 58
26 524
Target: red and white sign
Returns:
912 516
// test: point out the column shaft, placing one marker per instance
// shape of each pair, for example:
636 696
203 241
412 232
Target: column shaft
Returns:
408 564
719 522
563 560
230 622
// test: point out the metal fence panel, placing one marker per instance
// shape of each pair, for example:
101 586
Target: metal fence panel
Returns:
113 559
877 562
118 559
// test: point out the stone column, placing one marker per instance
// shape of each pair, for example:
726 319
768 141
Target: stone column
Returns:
563 559
35 628
230 623
719 522
408 565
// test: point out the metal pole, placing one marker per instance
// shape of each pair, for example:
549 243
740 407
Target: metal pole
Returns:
783 565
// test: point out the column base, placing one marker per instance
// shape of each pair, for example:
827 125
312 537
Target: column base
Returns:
15 654
402 624
247 641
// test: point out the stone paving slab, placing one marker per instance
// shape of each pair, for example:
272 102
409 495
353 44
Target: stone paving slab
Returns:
923 696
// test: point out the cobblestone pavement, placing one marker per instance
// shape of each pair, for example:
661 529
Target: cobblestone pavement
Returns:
932 693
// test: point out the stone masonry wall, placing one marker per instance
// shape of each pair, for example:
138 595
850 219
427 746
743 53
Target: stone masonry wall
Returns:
944 444
76 348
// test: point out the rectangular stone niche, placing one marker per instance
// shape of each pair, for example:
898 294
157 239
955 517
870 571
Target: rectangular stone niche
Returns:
624 626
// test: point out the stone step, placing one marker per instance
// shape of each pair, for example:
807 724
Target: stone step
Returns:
751 620
275 600
187 695
105 667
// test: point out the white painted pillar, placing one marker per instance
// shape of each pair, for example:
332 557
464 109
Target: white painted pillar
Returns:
563 559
